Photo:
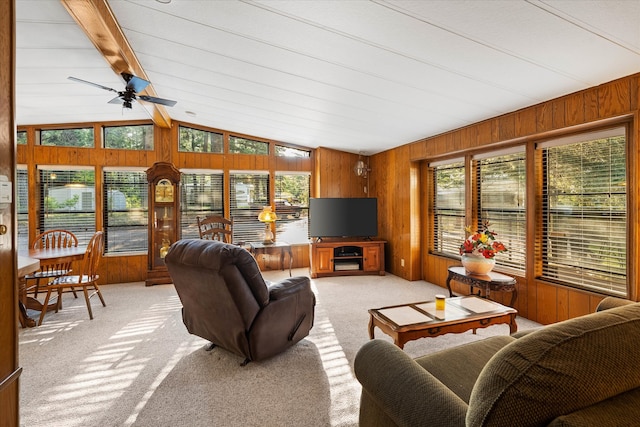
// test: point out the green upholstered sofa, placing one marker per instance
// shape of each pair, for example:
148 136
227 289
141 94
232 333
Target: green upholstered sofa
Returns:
580 372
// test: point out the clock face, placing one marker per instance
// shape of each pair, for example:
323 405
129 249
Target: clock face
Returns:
164 191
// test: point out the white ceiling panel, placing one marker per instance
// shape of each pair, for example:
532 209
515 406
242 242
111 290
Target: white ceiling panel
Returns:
353 75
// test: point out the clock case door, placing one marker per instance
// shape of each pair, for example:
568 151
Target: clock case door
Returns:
164 213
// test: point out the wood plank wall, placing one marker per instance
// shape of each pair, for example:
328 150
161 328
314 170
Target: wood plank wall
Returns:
133 268
398 187
9 363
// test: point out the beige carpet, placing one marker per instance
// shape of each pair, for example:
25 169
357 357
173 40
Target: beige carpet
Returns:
136 365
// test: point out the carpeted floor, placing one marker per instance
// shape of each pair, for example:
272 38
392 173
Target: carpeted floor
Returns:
136 365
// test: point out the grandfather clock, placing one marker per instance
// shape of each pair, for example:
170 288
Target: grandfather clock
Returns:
164 212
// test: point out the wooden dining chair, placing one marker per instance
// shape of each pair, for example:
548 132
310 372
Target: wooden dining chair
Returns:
87 279
215 227
48 271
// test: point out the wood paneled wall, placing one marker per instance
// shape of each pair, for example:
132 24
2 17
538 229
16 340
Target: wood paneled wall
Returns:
398 187
133 268
9 367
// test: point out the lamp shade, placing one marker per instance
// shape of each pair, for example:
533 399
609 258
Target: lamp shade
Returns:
267 215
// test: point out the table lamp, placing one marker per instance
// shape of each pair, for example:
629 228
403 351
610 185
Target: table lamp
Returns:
267 216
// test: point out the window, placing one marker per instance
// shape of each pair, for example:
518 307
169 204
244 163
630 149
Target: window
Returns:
292 207
248 193
68 200
202 195
282 151
200 141
239 145
125 211
21 138
22 207
585 211
448 207
129 137
67 137
501 203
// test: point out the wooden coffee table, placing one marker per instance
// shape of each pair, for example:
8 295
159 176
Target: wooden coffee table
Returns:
408 322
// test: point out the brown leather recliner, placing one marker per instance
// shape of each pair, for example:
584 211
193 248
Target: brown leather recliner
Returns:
226 301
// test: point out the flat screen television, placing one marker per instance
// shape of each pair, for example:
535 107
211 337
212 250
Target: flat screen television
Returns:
343 217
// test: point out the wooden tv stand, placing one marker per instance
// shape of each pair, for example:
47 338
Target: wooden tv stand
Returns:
347 257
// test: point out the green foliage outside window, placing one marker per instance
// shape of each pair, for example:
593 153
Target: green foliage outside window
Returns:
200 141
21 138
67 137
139 137
247 146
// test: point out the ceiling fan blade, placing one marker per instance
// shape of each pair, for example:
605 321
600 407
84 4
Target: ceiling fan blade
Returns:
75 79
116 100
167 102
135 83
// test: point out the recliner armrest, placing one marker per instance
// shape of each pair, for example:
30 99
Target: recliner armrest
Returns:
288 287
407 393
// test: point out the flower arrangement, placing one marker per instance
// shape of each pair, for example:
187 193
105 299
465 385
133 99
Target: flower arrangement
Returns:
481 243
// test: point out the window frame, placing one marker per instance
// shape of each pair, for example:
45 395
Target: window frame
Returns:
514 258
140 228
456 217
566 252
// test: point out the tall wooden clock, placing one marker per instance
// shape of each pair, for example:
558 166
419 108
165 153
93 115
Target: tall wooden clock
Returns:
164 214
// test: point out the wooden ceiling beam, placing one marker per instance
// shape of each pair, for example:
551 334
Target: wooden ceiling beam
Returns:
97 21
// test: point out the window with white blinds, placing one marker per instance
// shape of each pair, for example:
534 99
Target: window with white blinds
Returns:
202 194
585 211
126 210
292 207
448 208
501 181
68 200
248 193
22 207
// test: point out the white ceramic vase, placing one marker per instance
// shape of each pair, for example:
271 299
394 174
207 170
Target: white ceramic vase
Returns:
477 264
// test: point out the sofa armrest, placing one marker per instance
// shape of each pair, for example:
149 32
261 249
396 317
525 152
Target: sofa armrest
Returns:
403 390
612 302
288 287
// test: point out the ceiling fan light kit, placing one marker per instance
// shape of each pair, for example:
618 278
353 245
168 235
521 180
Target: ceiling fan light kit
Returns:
134 86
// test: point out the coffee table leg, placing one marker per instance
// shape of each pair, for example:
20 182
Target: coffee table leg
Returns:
513 326
371 327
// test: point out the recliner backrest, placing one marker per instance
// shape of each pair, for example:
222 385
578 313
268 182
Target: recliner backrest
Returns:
221 290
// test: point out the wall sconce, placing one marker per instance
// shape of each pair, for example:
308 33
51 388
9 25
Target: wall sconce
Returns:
267 216
361 169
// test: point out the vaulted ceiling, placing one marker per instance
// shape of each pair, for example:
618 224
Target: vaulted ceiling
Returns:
354 75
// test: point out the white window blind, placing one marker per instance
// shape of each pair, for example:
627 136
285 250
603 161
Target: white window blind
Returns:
292 207
22 207
126 210
501 202
585 212
448 208
68 200
249 192
202 195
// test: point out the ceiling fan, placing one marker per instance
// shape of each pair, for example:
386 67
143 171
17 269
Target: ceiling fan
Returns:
130 92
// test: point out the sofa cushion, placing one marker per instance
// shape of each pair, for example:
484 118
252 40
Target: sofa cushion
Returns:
621 410
458 367
559 369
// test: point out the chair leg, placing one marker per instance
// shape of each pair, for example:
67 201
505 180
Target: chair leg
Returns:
95 286
86 298
44 307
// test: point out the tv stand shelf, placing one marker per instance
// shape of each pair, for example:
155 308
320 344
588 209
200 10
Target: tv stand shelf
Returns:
347 257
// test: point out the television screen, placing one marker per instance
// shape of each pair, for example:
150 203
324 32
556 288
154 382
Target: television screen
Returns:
343 217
